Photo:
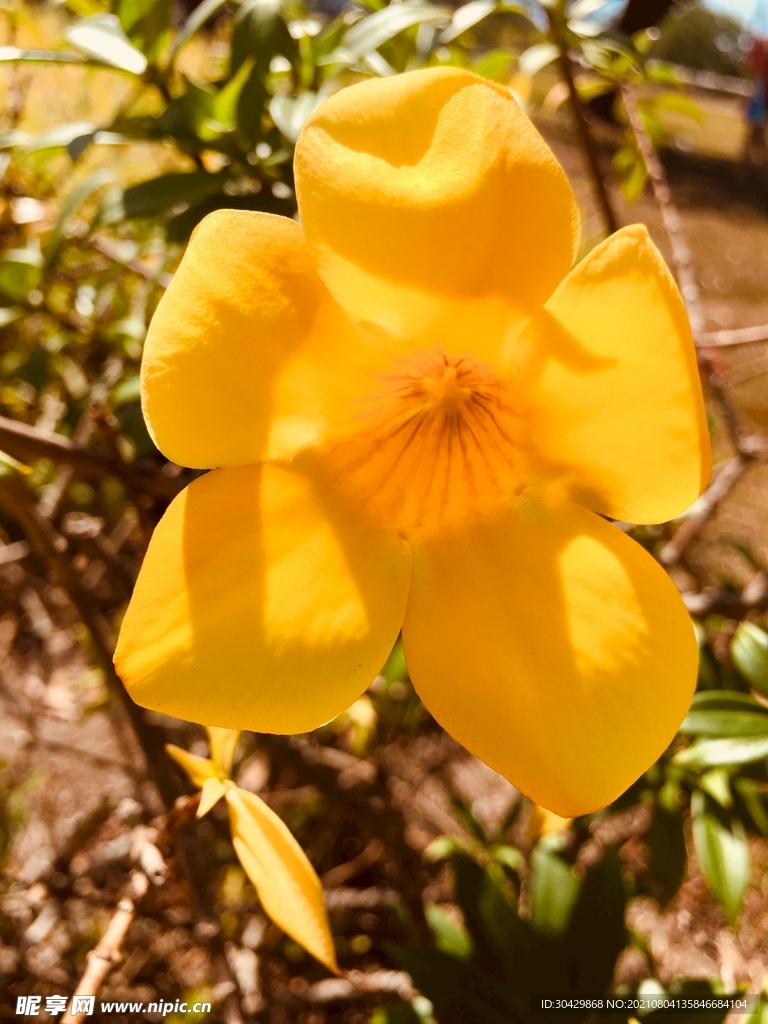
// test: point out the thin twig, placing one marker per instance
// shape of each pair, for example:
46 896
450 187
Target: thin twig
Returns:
741 336
108 952
352 986
745 450
28 444
682 256
588 143
703 510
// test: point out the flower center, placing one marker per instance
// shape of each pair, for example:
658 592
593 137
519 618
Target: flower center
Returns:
439 440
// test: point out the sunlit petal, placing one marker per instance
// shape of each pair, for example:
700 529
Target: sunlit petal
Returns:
428 197
247 356
611 368
554 648
263 603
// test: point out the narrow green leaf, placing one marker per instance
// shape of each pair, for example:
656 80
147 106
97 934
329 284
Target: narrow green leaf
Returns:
666 851
59 137
225 102
15 55
710 753
20 272
202 13
554 889
726 700
158 196
101 36
537 57
716 722
467 16
131 11
290 112
749 650
724 858
71 205
372 32
449 937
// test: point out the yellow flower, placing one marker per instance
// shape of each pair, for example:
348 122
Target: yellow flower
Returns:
417 415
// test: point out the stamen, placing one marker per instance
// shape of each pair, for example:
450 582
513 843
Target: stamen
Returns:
439 440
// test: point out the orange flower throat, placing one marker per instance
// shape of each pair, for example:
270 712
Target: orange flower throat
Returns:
440 441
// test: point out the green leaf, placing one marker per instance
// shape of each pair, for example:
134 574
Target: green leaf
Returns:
749 651
509 856
449 937
466 17
494 65
261 32
711 753
71 205
202 13
714 721
724 858
462 993
489 915
752 794
597 933
8 314
225 103
20 272
55 138
666 852
725 700
537 57
372 32
158 196
553 892
717 784
101 36
399 1013
131 11
290 112
14 55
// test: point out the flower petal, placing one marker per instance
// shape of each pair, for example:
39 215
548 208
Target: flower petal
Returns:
611 367
285 881
263 603
554 648
430 185
212 791
199 769
246 345
223 745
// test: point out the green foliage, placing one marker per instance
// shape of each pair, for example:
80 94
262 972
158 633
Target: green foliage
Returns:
749 651
723 854
514 957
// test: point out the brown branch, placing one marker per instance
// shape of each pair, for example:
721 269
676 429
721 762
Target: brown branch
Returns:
342 873
741 336
745 449
703 510
352 986
673 225
28 444
730 603
588 143
108 952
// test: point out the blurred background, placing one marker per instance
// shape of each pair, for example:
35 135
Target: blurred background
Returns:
451 897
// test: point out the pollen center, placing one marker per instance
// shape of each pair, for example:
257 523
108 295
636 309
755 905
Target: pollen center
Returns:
438 440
